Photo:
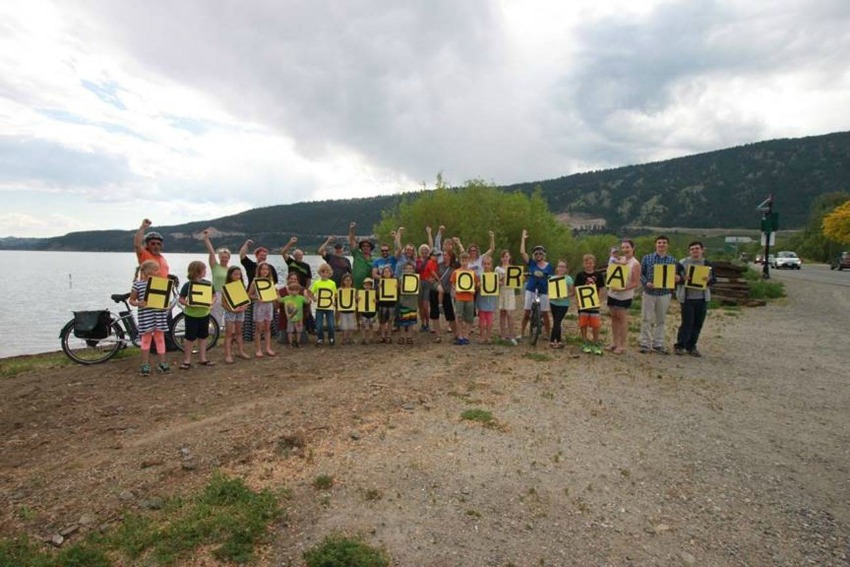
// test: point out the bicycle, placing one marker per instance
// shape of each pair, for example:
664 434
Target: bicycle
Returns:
92 337
535 320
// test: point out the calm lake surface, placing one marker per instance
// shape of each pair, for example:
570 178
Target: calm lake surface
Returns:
46 287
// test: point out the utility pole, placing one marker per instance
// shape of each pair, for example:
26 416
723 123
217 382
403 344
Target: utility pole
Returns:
769 225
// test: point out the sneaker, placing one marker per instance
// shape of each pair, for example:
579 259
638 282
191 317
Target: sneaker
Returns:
513 342
145 369
694 352
458 341
163 368
586 348
331 342
319 342
644 349
464 341
596 349
661 350
678 351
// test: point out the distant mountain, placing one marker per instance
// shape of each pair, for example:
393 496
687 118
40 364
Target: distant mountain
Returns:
718 189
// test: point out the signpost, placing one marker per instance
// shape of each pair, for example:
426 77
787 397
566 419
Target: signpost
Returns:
769 225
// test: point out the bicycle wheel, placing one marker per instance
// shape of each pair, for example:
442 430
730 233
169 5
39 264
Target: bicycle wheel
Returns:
178 331
91 351
535 324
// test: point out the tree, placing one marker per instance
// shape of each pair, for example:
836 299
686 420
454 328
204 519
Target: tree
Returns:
813 243
472 210
836 224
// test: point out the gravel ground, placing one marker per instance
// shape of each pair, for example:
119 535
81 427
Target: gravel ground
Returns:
737 458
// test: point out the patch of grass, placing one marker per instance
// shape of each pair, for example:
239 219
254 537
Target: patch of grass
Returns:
227 516
23 551
341 551
537 357
373 494
767 289
19 364
479 415
323 482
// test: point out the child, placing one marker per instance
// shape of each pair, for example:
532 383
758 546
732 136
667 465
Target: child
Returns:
347 319
590 318
406 309
367 318
197 319
386 310
325 316
464 305
263 312
152 322
507 300
293 305
561 306
234 317
487 305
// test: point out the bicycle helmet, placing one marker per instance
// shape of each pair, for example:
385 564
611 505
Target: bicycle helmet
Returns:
538 248
153 235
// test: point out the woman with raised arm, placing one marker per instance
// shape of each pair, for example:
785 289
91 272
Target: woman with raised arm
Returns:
218 260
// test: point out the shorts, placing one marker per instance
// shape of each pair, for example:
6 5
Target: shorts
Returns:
367 322
485 318
263 311
425 290
386 314
544 301
465 311
294 327
233 317
591 320
614 303
197 327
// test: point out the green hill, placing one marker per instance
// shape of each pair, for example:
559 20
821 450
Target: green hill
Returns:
718 189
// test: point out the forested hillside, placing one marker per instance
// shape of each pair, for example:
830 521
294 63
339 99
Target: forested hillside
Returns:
718 189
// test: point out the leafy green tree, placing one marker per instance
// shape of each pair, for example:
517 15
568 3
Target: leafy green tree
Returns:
471 211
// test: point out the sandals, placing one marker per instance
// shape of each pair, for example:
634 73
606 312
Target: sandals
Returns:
401 340
185 366
410 340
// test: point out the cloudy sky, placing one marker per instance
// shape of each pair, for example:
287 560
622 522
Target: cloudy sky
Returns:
113 110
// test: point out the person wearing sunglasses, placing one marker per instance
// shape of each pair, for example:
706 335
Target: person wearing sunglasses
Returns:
148 246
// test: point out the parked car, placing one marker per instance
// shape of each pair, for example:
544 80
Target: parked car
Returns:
786 259
840 262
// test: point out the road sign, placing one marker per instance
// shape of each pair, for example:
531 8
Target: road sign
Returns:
770 222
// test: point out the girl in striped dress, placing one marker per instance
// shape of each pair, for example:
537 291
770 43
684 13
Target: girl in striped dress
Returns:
152 322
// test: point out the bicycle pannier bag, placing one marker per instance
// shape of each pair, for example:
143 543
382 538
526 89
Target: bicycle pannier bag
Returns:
91 324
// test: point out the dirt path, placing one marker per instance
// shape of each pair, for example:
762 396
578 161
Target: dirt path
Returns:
739 458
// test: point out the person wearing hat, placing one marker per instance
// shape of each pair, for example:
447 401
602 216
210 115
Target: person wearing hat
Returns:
539 271
336 260
362 254
149 247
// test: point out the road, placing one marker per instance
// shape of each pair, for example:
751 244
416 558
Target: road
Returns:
819 273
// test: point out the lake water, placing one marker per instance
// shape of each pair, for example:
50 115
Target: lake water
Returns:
44 288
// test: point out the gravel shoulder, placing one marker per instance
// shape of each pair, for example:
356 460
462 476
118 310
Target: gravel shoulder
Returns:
738 458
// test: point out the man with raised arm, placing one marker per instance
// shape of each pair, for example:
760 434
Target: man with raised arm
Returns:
149 247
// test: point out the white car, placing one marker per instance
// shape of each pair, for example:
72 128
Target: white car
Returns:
786 259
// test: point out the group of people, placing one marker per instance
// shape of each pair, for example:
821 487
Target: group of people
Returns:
297 308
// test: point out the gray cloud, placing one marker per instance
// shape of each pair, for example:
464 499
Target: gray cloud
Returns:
426 86
51 165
